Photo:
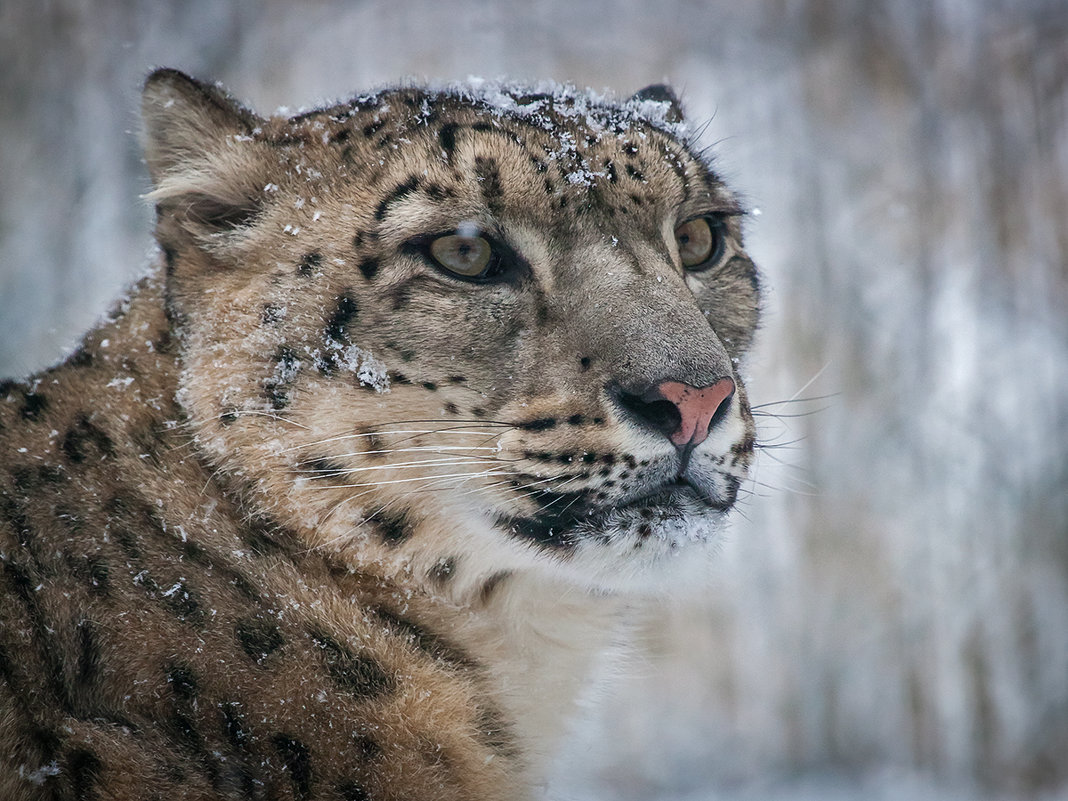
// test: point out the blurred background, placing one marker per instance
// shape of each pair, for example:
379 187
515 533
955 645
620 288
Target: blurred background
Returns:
889 619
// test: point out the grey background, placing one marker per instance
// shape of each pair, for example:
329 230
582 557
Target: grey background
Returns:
890 617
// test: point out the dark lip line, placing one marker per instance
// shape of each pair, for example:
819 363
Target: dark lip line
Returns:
560 532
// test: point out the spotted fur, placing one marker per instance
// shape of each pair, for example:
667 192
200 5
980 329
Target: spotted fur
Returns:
309 516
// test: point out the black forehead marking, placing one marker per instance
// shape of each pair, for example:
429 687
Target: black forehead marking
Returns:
399 192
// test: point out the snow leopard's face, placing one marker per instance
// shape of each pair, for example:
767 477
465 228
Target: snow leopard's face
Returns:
462 333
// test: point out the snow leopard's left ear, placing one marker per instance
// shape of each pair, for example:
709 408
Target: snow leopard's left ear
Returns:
204 163
664 94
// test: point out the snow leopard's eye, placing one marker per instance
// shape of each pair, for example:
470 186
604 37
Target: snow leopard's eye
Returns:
465 256
701 242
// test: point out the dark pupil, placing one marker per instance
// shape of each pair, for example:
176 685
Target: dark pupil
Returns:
463 250
684 239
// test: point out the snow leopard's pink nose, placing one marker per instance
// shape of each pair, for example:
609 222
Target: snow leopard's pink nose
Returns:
697 408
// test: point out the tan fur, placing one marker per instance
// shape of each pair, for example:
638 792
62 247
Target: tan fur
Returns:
241 560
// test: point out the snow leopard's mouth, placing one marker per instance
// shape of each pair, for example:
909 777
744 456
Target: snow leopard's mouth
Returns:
569 518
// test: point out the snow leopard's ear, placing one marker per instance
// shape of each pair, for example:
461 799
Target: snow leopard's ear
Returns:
664 94
201 155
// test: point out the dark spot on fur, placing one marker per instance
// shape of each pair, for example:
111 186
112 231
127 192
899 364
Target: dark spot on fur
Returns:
400 191
451 408
297 761
359 674
541 424
407 355
259 639
598 421
340 136
447 137
584 362
495 732
491 585
34 405
319 468
747 445
424 640
575 420
547 530
272 313
373 127
170 255
442 570
183 682
264 538
400 297
541 311
482 127
456 379
29 479
80 358
310 263
489 176
430 385
353 791
179 598
166 343
286 365
128 542
228 417
83 771
437 192
400 378
369 268
232 724
84 437
97 573
478 411
635 173
374 444
88 652
367 746
392 528
336 331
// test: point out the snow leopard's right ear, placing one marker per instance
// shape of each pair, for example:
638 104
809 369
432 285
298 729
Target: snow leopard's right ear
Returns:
204 163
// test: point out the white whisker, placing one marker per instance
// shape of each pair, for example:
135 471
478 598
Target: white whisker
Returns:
398 466
414 432
417 478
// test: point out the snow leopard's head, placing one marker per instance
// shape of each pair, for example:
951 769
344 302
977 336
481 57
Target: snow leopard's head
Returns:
462 331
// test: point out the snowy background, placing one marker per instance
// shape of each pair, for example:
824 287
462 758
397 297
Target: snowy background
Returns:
890 618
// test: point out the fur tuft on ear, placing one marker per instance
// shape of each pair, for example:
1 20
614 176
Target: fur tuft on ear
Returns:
662 93
199 151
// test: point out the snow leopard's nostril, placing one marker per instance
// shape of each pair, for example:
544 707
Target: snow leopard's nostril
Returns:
699 408
681 412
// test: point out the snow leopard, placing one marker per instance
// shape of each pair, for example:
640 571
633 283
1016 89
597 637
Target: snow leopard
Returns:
425 395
